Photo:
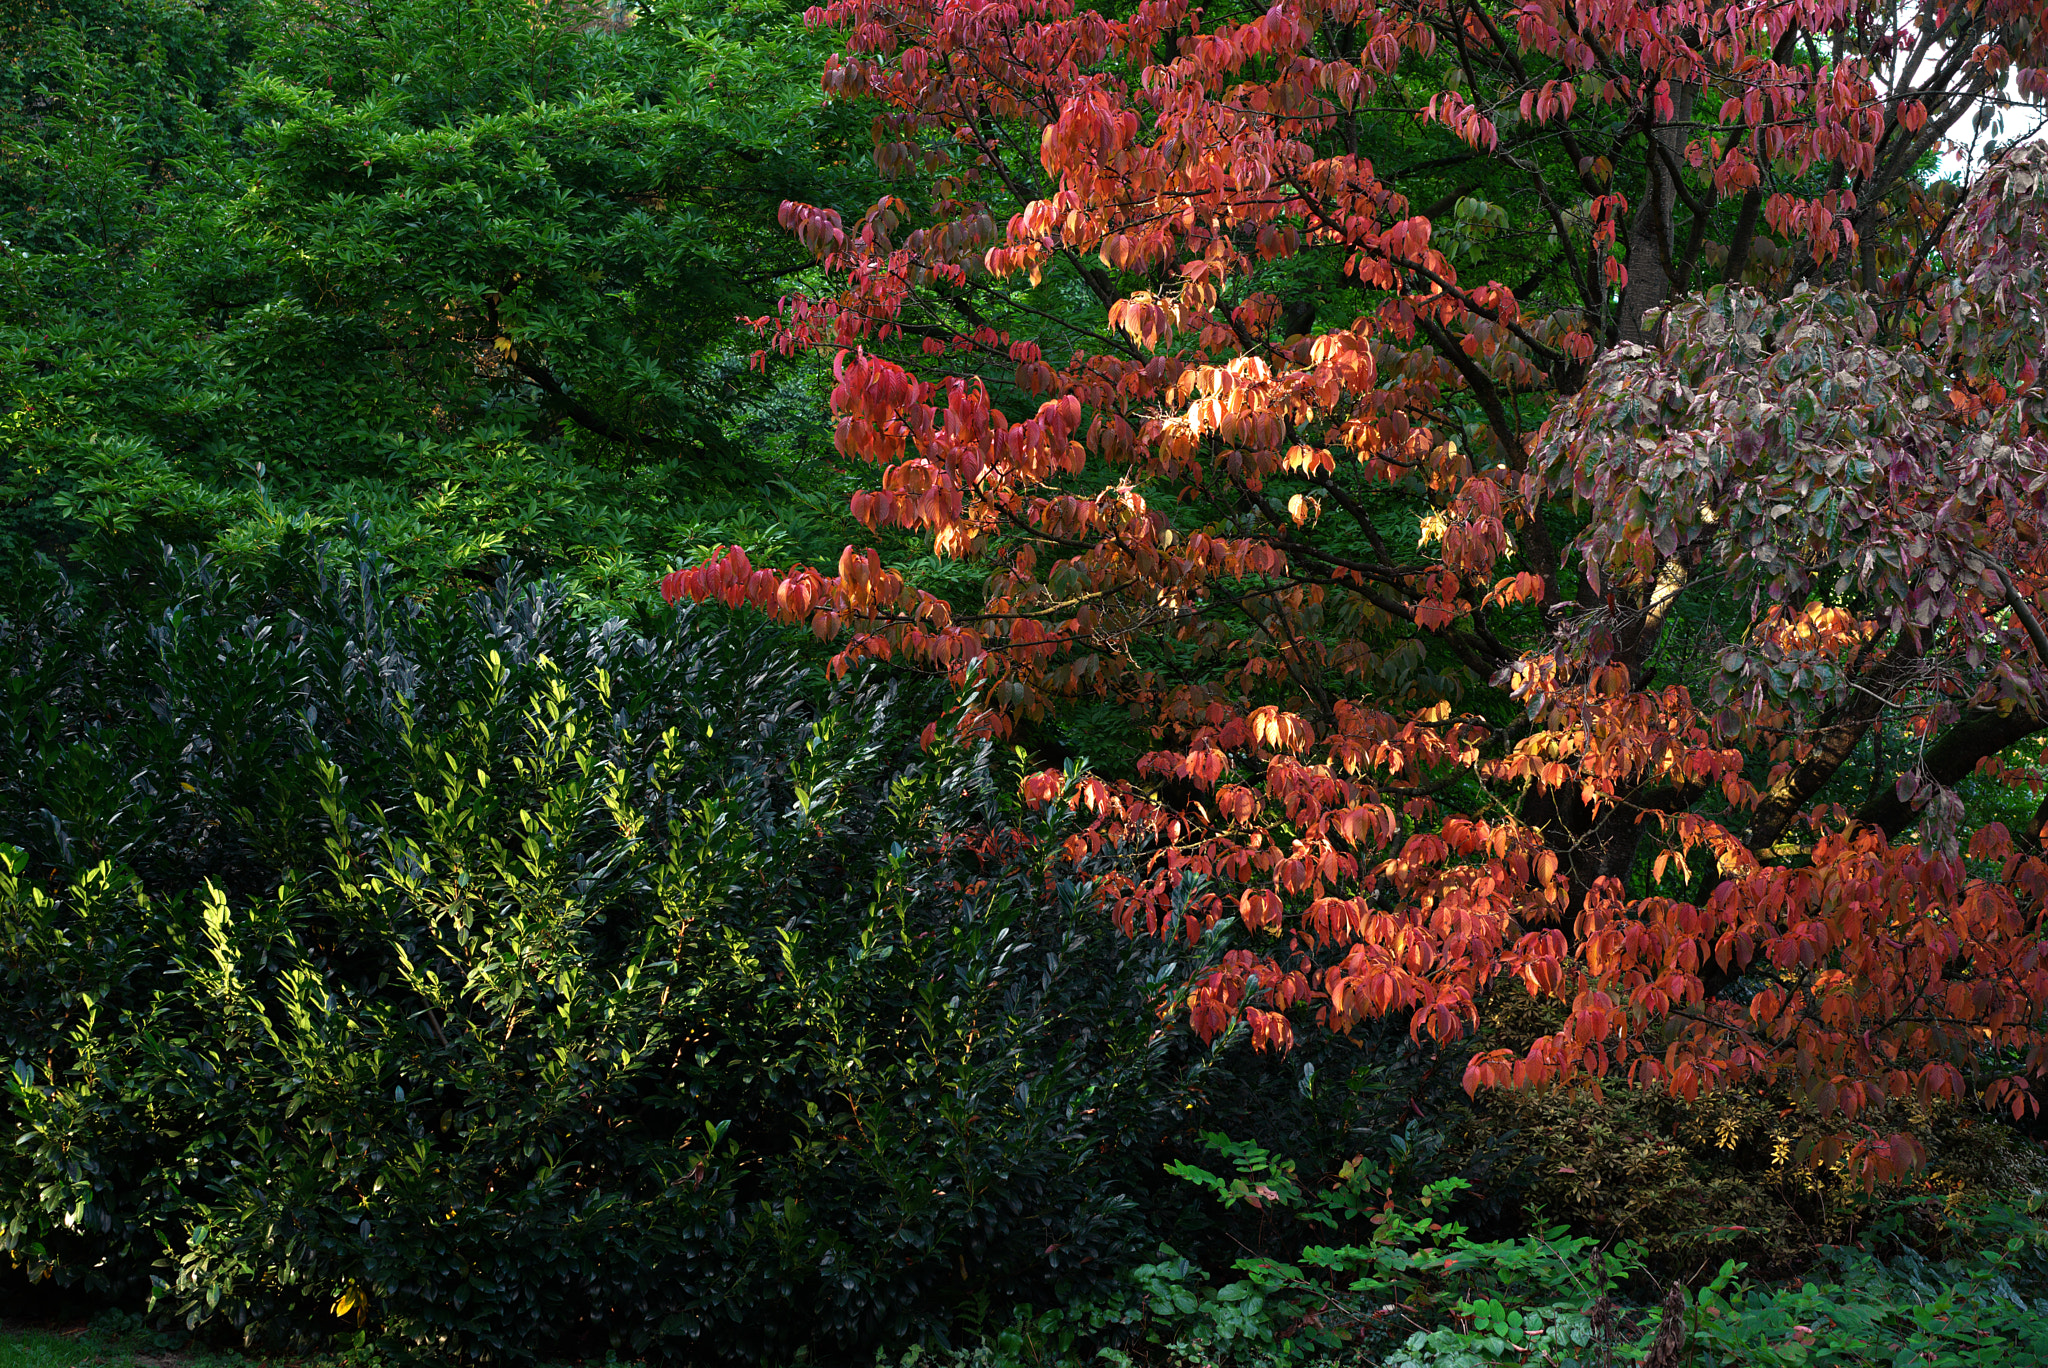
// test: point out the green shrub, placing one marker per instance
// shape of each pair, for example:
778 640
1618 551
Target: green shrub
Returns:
1409 1288
502 983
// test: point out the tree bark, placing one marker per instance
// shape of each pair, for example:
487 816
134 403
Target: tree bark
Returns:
1949 760
1652 228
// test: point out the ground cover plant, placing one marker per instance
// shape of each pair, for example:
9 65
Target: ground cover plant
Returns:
1416 1292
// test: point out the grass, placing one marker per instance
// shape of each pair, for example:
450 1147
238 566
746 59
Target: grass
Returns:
98 1346
40 1349
69 1349
113 1340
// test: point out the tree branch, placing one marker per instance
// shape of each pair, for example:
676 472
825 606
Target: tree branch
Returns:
1949 760
1839 734
583 417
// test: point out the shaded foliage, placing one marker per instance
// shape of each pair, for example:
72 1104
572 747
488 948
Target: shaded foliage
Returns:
506 982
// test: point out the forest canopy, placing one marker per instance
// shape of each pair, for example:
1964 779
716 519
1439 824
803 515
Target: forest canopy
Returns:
466 271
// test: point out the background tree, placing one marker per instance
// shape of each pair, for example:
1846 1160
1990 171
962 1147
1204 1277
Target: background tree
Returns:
468 272
1527 627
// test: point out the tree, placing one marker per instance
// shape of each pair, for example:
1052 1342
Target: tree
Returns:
1485 630
426 263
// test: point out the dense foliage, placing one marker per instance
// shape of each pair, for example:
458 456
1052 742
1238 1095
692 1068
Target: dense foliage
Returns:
1290 678
508 982
1486 631
465 271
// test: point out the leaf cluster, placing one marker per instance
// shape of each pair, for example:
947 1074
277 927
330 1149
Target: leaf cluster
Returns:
1414 1290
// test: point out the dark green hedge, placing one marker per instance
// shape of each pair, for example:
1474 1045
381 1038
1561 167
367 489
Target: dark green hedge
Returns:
507 983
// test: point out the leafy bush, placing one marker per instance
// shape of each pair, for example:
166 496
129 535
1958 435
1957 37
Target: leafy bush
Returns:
501 982
1726 1175
1413 1290
496 981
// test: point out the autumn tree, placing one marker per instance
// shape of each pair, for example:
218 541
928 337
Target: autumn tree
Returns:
1608 625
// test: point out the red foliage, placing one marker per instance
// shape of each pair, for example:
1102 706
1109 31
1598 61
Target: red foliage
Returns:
1840 446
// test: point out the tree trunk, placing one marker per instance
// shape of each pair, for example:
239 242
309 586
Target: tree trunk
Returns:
1652 227
1588 847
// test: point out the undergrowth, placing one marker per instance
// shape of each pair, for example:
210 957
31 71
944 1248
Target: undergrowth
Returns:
1410 1288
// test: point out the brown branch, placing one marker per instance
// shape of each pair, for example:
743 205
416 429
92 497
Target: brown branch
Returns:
1542 554
1840 732
2025 613
1753 199
584 417
1950 760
